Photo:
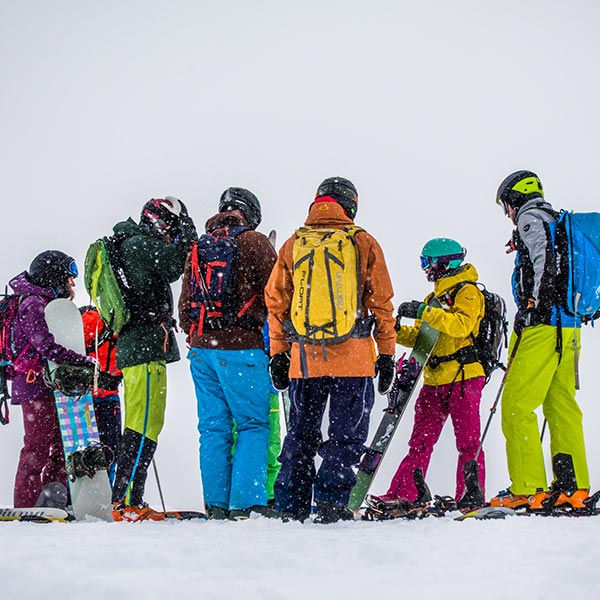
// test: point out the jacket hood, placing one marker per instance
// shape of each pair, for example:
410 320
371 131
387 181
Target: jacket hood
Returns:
466 272
127 228
232 218
21 285
327 214
535 203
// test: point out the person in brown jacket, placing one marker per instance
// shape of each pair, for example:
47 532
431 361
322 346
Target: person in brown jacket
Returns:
222 310
339 372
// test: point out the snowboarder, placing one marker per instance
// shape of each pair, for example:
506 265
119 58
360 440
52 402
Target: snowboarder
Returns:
101 344
453 379
228 362
153 254
542 371
51 275
339 372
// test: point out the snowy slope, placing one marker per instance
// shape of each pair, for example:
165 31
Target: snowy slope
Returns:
521 557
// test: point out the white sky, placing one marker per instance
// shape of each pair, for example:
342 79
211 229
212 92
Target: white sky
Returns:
425 106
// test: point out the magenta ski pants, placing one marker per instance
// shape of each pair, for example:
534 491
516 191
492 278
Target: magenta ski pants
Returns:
42 460
459 401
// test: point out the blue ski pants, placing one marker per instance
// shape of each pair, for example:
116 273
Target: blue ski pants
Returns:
232 385
350 403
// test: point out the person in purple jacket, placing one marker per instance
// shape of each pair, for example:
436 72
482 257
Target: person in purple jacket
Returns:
51 275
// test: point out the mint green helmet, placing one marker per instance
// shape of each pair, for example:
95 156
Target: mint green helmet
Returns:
440 256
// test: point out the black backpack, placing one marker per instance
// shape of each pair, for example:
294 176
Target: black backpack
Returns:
492 337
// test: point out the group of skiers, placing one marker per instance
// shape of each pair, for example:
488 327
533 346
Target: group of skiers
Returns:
234 365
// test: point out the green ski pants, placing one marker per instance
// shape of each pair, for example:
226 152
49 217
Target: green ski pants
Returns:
538 378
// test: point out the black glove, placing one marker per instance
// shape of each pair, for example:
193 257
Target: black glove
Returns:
184 232
385 369
524 316
279 366
410 309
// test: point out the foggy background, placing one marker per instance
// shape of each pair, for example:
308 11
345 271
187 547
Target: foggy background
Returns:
426 107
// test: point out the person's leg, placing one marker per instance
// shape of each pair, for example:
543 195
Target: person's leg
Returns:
525 389
350 403
108 418
273 464
215 423
293 487
244 379
42 458
430 415
464 411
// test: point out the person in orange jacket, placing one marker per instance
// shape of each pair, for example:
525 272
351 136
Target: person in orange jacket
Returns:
342 374
101 344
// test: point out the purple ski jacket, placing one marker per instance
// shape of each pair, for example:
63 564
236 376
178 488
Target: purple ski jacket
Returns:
33 343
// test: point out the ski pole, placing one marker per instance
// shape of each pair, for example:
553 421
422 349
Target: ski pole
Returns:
162 500
498 396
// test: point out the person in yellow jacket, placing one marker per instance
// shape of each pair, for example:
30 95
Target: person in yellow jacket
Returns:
341 373
452 379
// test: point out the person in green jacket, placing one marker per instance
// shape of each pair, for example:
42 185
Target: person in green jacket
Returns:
153 255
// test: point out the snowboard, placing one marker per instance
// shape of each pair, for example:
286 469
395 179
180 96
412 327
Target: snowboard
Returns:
399 396
36 514
91 494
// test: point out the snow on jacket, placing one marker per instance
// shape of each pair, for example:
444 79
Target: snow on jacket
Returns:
255 261
30 331
150 266
456 324
534 275
354 357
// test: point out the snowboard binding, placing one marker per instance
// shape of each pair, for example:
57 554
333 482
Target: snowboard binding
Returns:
85 463
71 380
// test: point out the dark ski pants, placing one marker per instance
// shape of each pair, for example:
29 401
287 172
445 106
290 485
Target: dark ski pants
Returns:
350 403
108 418
42 459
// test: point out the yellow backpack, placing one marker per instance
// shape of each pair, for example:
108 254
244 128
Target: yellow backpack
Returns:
326 303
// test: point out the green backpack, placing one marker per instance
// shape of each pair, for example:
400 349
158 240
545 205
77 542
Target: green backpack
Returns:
106 283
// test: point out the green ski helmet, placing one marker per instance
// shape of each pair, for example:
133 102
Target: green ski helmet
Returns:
518 188
440 256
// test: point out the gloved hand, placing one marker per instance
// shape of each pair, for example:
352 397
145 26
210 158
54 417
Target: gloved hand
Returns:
413 309
523 316
184 232
385 369
279 367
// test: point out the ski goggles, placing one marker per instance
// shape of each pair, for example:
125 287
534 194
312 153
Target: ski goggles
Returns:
430 261
72 269
503 204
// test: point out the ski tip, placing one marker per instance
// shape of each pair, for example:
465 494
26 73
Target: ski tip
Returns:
487 512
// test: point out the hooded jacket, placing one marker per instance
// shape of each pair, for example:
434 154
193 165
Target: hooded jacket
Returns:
256 258
456 322
33 343
535 272
150 265
355 357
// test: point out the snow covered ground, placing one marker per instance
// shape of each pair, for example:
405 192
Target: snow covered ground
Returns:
520 557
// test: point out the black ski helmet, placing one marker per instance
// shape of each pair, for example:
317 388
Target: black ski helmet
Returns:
52 269
159 215
342 190
237 198
518 188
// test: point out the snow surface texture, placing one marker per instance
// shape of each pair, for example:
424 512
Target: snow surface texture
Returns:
426 106
536 558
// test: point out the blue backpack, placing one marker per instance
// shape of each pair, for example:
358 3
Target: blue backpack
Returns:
578 246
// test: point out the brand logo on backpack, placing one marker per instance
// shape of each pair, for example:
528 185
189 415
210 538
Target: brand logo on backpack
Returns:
214 262
326 305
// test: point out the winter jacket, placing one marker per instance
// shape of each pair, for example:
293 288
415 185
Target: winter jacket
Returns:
354 357
34 343
457 323
106 354
150 266
534 275
256 258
